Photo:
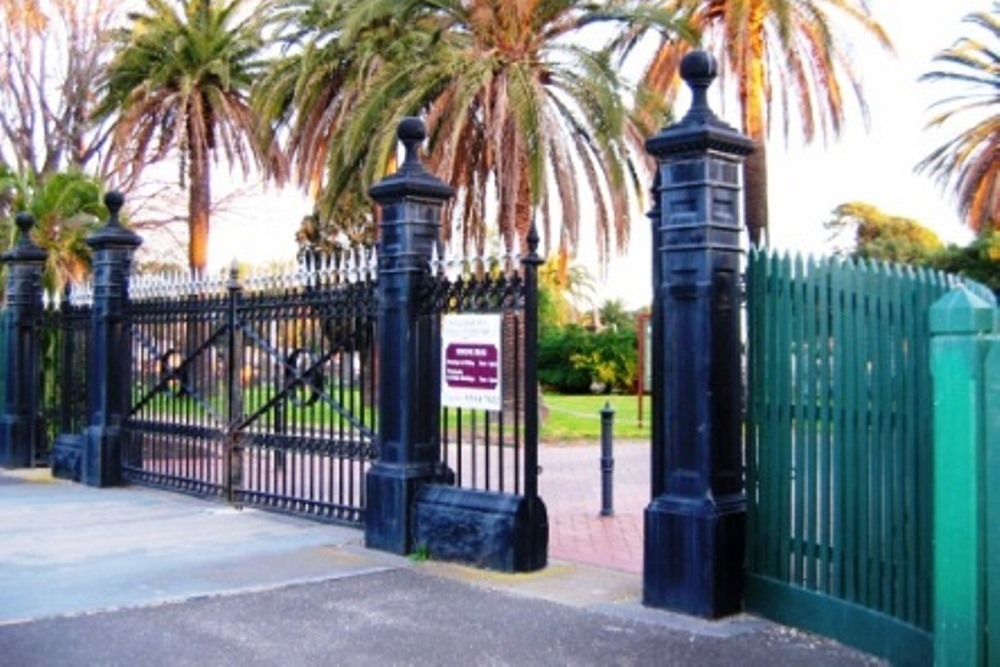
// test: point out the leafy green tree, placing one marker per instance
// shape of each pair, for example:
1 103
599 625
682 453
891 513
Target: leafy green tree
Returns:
882 236
969 163
612 360
67 207
557 347
561 291
179 84
514 98
615 315
980 260
780 55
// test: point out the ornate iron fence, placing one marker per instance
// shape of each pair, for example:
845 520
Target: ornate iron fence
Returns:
65 336
485 448
260 390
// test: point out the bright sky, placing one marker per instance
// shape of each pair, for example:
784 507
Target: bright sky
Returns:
806 183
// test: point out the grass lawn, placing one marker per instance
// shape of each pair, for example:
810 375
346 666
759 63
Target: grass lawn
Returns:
578 418
570 418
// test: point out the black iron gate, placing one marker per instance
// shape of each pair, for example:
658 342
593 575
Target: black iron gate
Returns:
261 391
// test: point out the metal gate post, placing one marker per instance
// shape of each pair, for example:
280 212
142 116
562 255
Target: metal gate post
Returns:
694 526
233 462
409 392
20 425
110 349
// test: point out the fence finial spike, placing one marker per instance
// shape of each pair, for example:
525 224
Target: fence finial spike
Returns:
373 263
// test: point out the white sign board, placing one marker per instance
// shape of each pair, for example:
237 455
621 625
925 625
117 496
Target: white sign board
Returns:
471 362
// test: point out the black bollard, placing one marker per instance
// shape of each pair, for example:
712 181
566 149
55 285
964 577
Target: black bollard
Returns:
607 461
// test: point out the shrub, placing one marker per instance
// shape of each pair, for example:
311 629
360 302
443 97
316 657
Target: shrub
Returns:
571 359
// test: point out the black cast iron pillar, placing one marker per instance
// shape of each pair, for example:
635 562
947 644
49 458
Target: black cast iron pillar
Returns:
693 556
409 389
110 349
20 425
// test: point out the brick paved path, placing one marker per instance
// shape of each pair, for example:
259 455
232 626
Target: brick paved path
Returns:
570 485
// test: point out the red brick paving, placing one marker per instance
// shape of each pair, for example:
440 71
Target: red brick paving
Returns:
570 485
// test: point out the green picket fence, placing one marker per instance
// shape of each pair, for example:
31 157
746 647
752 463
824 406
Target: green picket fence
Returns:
839 439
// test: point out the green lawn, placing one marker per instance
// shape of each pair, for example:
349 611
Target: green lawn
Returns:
578 418
570 418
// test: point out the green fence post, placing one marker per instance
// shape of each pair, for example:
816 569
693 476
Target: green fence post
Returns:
991 397
959 322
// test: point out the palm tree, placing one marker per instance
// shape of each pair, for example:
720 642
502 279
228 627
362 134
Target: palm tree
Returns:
67 207
180 81
781 55
515 99
306 95
970 162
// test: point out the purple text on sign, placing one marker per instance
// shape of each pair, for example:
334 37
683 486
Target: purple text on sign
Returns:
471 366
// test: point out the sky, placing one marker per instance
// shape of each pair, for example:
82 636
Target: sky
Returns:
805 182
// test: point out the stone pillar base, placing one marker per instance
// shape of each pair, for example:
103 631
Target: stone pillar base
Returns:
391 489
67 452
498 531
15 447
101 464
693 556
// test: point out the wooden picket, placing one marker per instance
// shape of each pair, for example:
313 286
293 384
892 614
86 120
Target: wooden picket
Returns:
839 449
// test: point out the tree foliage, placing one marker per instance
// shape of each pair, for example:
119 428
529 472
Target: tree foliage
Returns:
980 260
969 163
179 85
561 293
67 207
518 102
51 52
882 236
576 360
789 61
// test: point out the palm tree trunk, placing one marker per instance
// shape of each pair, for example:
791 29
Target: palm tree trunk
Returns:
755 193
199 377
199 204
752 85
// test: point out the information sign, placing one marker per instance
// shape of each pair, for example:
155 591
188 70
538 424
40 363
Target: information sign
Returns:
471 362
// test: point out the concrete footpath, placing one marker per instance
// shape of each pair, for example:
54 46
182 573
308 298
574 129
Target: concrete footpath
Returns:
134 576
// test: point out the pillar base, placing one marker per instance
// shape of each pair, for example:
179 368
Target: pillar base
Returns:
693 556
67 453
391 489
487 529
101 463
15 444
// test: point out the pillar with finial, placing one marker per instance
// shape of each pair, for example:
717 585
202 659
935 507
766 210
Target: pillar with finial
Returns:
411 201
694 525
110 349
20 425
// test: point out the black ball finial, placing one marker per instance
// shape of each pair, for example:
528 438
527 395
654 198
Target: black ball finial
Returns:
698 69
698 66
24 222
411 130
114 200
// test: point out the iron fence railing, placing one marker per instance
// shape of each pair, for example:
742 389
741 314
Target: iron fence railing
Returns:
488 449
260 389
65 337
